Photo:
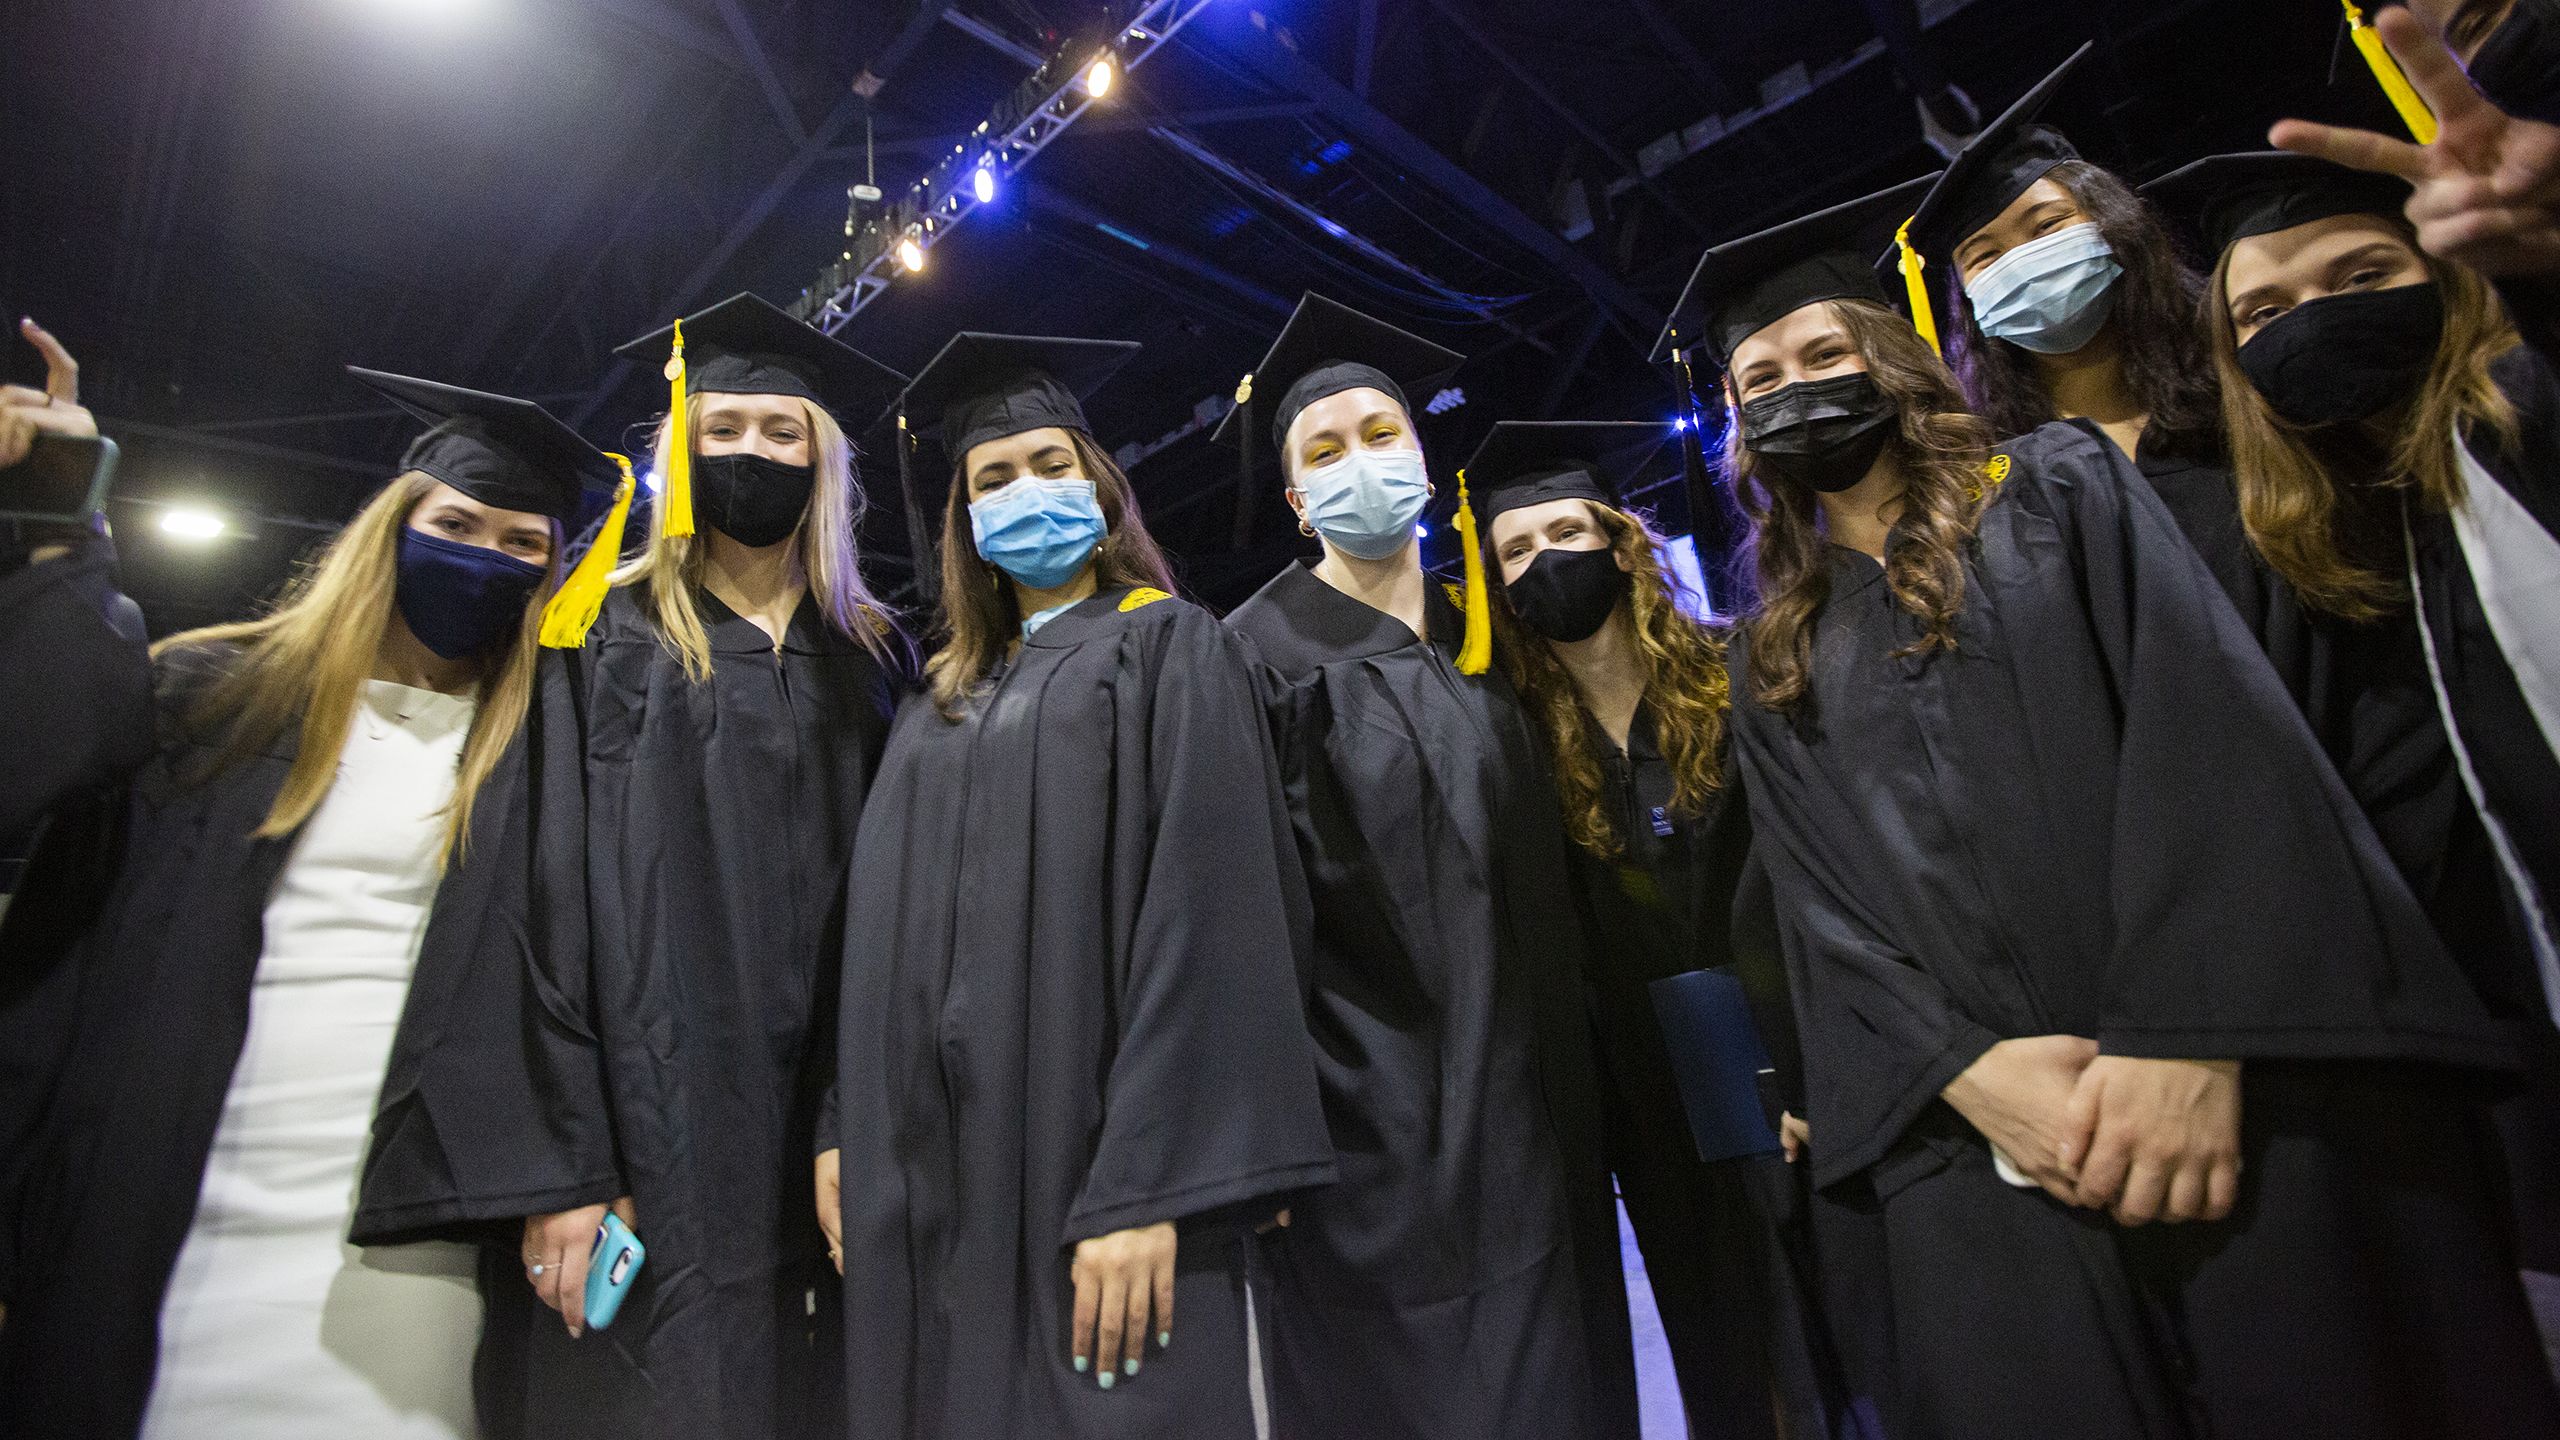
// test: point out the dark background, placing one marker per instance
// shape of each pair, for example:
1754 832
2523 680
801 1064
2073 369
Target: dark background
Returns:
217 203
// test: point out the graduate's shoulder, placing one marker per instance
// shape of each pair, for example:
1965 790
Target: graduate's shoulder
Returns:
1281 635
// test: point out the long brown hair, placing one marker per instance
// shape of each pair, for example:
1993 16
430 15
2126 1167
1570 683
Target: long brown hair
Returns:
1940 446
672 567
2161 354
1685 687
301 664
980 621
2314 503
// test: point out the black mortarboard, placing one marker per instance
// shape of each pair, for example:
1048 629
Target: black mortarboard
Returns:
494 448
2222 198
1744 285
1327 348
1994 169
1530 462
744 346
985 387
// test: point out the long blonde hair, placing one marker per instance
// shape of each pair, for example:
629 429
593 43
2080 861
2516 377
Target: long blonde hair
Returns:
301 664
979 618
2328 539
824 543
1685 686
1941 445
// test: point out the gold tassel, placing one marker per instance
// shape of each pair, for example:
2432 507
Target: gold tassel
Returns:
1475 653
2413 111
1915 280
574 607
675 490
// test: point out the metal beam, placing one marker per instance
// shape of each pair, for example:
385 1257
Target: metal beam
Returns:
247 449
673 27
893 56
940 142
1285 70
751 50
994 38
1066 207
1364 47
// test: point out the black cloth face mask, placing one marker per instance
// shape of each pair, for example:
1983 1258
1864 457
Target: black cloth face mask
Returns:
460 599
2346 357
1567 595
1822 434
751 499
2518 66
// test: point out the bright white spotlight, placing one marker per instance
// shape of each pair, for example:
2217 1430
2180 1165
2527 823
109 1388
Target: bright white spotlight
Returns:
191 524
983 183
910 254
1098 77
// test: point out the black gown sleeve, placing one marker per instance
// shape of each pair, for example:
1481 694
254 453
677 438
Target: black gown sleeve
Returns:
1211 1098
1848 978
75 685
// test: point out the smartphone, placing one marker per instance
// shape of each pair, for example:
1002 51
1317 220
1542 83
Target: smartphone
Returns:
610 1271
62 481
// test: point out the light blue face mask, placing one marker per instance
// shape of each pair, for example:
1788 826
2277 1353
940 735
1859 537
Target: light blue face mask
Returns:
1040 532
1367 502
2050 295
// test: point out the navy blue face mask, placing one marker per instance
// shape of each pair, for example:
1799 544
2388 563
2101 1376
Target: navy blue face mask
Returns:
461 599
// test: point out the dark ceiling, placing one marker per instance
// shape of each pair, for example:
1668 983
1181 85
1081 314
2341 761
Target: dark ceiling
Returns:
217 203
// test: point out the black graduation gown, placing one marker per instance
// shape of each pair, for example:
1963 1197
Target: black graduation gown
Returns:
125 979
701 849
2103 815
1462 1277
75 686
1070 1007
1723 1244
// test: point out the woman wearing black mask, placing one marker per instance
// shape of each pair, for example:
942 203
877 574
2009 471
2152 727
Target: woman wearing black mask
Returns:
300 916
2386 422
2060 869
726 713
1629 692
2511 48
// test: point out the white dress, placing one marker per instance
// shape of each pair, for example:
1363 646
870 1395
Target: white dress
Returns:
275 1327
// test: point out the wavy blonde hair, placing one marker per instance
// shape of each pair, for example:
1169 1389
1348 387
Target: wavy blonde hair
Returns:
824 543
1685 686
1941 446
2331 542
301 665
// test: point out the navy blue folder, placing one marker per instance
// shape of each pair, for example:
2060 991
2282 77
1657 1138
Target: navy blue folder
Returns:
1718 1060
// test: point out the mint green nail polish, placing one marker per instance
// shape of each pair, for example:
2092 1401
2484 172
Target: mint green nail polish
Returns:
1107 1379
1081 1363
1164 1339
1130 1365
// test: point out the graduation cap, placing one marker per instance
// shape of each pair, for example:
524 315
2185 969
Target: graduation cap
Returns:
1327 348
1995 167
497 449
1530 462
745 346
1745 285
2223 198
982 387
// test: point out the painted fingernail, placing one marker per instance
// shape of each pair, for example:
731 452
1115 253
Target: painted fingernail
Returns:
1130 1365
1108 1379
1082 1364
1164 1338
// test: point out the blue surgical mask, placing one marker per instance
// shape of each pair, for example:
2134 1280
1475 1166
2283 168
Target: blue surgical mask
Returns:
1040 532
2050 295
1366 503
460 599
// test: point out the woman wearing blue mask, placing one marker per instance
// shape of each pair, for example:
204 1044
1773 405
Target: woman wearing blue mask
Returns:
718 708
296 918
1462 1279
1073 1075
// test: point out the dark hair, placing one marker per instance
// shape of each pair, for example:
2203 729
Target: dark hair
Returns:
2162 351
979 619
1941 446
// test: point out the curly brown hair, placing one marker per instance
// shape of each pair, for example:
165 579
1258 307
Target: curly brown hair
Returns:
2338 544
1940 446
1685 688
979 621
2162 356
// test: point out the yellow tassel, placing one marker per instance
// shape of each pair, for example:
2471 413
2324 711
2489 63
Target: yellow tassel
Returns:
2413 111
1475 653
573 609
675 490
1915 279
